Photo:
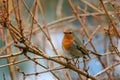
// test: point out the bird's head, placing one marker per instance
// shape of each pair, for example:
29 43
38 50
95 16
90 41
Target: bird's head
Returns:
68 34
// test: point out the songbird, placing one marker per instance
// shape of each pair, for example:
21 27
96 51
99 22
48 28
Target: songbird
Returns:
73 47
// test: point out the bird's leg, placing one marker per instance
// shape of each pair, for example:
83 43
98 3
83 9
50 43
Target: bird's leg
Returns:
76 62
68 60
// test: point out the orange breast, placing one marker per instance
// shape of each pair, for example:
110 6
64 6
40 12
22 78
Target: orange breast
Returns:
67 41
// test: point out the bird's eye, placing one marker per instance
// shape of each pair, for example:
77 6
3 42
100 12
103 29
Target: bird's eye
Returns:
70 32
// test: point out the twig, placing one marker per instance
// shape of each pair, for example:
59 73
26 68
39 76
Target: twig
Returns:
107 68
11 55
4 78
90 38
45 71
92 6
59 8
34 15
111 21
5 47
17 62
41 28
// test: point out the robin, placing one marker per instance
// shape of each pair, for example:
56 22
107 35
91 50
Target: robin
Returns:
73 47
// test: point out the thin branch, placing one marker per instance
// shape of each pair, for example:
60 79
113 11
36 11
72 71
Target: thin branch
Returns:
106 69
111 21
11 55
45 71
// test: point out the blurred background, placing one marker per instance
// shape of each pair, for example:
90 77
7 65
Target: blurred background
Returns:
43 22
